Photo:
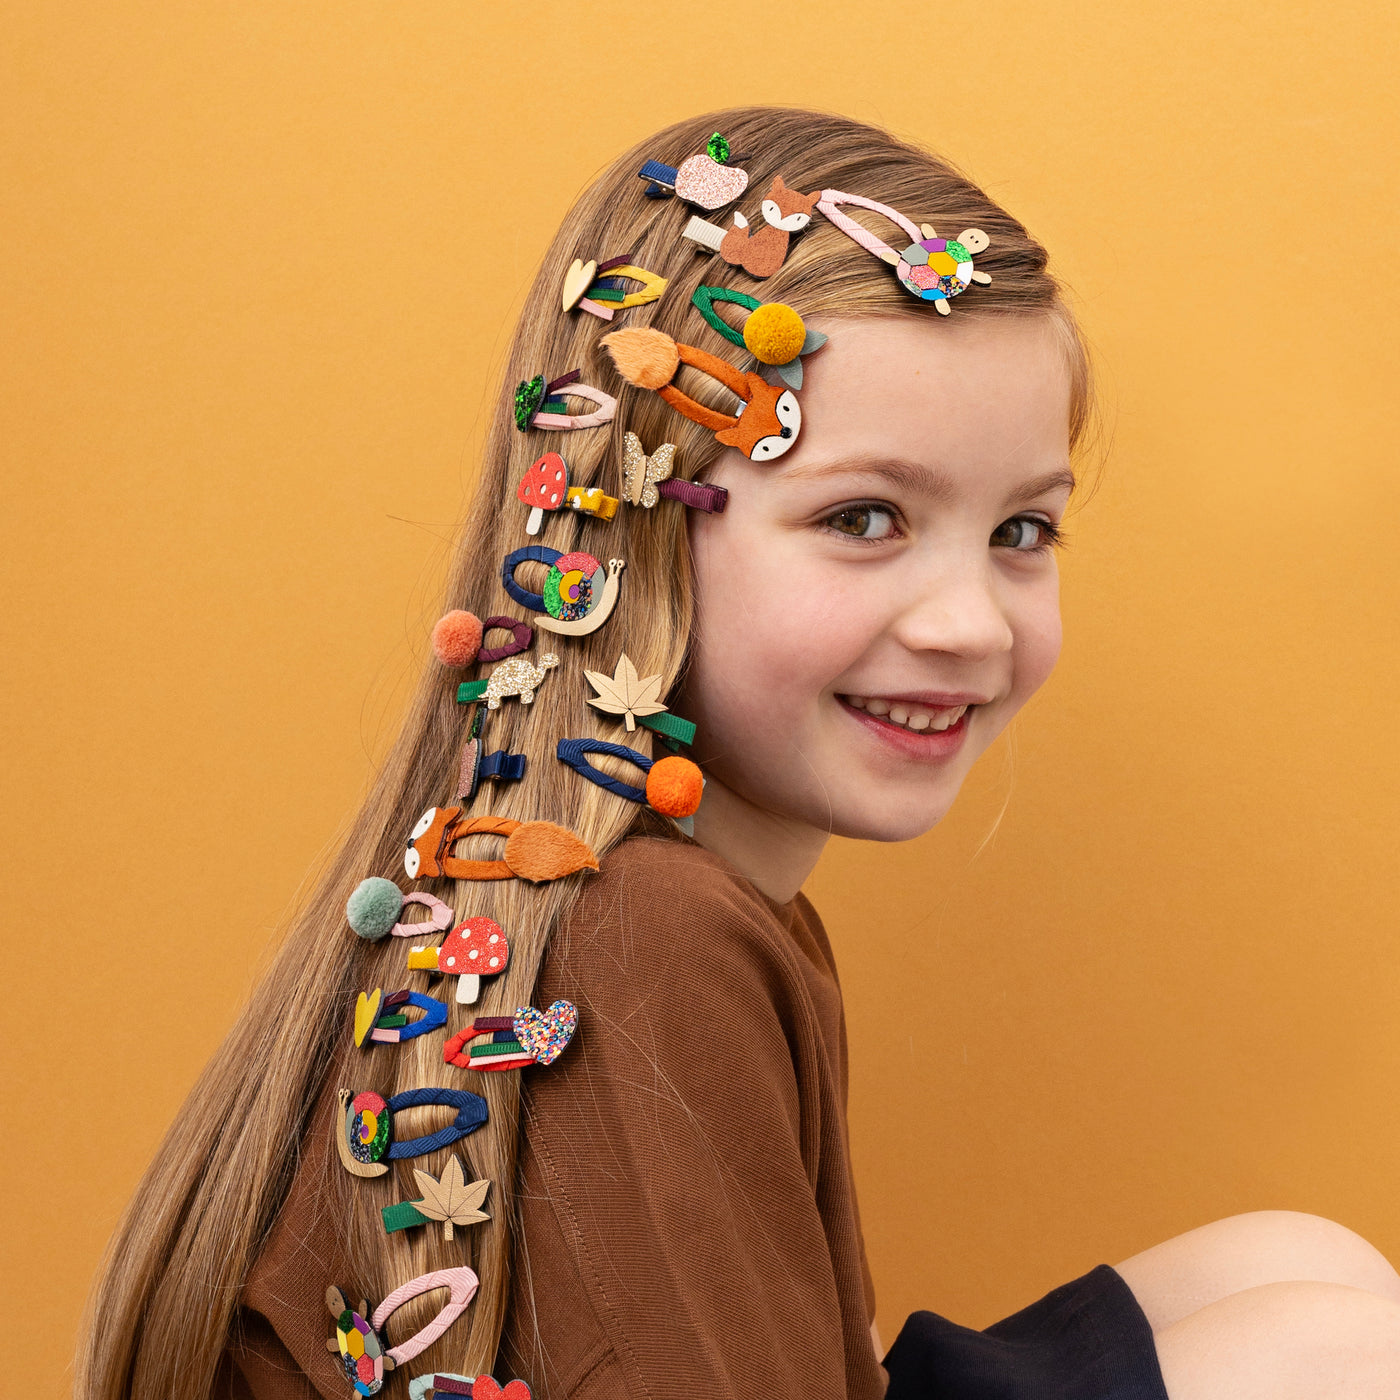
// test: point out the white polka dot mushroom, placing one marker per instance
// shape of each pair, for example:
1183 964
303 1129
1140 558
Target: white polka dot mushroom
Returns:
476 948
543 488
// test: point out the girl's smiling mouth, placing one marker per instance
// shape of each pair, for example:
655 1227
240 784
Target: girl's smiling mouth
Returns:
912 726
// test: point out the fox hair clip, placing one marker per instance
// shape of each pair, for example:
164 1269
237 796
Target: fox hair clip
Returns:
759 252
769 416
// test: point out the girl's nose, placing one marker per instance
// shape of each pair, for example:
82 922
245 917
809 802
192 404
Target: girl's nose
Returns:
956 611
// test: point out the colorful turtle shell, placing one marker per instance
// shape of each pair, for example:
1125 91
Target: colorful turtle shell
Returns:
360 1353
935 269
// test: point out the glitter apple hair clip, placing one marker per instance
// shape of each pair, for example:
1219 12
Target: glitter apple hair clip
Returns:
931 268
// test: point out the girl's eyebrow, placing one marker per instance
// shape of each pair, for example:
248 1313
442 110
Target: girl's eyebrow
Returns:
928 482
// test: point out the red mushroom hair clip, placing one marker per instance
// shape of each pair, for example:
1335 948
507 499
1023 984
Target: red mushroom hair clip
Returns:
768 420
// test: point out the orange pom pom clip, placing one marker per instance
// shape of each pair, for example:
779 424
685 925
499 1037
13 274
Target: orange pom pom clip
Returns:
457 638
674 787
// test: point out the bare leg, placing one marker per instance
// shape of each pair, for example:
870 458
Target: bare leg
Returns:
1285 1341
1191 1271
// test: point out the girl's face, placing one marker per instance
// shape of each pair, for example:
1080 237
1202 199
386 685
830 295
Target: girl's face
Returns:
875 605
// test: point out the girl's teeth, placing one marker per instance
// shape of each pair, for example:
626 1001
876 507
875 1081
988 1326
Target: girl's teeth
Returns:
917 720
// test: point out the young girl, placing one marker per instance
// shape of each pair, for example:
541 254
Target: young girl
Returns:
836 564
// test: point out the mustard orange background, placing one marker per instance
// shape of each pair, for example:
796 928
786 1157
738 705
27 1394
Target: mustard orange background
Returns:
259 264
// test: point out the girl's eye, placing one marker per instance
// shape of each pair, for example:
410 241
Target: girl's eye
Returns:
864 522
1027 534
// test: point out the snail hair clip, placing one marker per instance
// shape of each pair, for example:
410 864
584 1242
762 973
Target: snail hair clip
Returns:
597 287
476 948
546 487
534 851
364 1126
379 1021
674 785
530 1037
706 180
579 595
636 700
376 904
773 333
762 252
932 268
518 676
359 1340
541 405
646 479
449 1199
769 417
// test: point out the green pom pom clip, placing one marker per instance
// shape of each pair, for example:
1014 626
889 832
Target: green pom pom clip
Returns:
374 907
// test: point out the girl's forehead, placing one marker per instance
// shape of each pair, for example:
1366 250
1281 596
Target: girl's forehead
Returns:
990 395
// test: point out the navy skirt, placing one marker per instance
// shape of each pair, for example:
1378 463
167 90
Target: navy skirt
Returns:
1088 1339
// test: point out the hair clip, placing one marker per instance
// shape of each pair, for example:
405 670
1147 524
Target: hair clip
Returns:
457 638
364 1126
450 1199
500 765
578 596
646 479
597 287
774 334
535 851
636 700
476 948
378 1020
529 1037
440 1383
518 676
375 904
673 786
541 405
705 180
768 420
932 268
760 254
487 1389
358 1341
546 487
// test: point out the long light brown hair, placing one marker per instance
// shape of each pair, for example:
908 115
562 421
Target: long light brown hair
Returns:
207 1201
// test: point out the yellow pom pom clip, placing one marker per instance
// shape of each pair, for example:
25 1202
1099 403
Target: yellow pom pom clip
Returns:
774 333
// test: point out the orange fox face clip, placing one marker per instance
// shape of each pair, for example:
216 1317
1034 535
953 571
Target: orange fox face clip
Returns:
768 421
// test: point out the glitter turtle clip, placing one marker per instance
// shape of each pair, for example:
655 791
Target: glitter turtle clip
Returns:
930 268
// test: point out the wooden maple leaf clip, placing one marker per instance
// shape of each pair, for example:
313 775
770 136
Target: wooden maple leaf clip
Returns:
450 1199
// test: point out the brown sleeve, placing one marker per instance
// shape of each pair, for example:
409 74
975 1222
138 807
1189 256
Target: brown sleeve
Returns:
671 1160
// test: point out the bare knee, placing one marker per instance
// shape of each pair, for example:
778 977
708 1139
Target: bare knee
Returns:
1195 1269
1285 1341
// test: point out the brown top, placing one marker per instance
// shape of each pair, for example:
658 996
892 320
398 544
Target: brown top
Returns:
688 1218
